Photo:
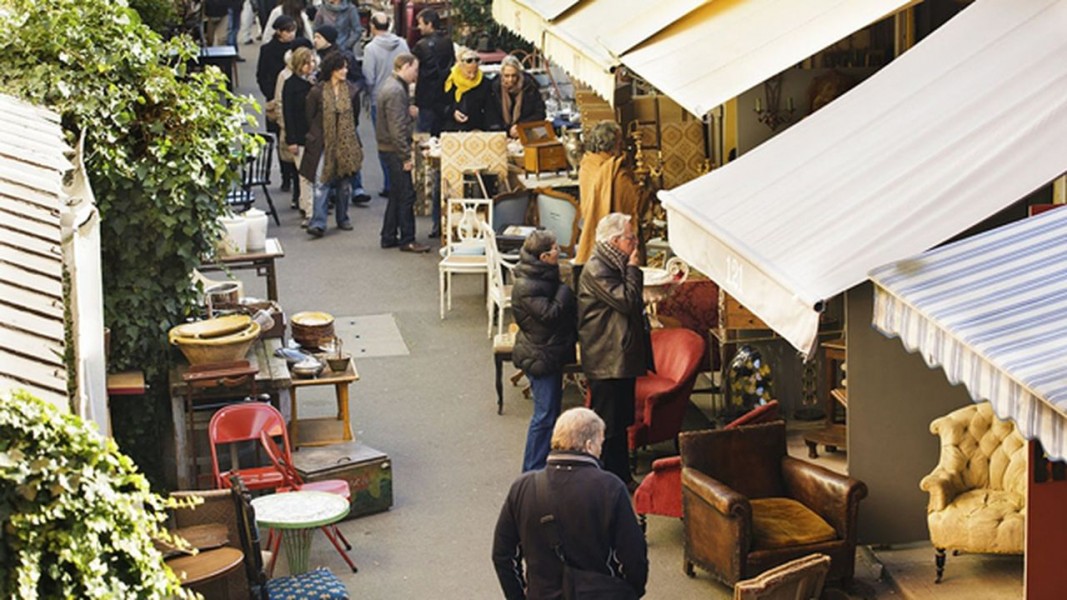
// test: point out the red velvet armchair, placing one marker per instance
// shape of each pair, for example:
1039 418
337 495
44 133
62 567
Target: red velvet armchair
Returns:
661 398
660 492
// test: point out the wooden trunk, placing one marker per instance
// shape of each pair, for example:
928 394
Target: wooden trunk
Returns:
369 473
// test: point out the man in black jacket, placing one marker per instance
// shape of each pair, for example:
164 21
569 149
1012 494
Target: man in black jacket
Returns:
547 315
591 516
614 333
436 56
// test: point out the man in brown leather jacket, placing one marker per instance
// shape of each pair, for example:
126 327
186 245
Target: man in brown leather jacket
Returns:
614 334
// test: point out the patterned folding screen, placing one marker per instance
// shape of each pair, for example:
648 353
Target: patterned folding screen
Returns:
471 151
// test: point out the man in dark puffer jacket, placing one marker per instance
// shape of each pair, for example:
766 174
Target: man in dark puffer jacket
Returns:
547 314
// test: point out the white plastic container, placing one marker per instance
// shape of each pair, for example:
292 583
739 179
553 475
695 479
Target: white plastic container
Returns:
235 240
257 229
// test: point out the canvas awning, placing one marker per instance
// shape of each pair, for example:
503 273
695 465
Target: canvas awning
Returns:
519 18
699 53
528 18
964 124
991 310
728 46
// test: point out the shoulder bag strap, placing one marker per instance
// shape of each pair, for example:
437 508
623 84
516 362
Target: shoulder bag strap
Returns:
548 519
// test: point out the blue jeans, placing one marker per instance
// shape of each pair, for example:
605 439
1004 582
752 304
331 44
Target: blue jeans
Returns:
398 225
235 26
342 191
381 161
547 396
357 183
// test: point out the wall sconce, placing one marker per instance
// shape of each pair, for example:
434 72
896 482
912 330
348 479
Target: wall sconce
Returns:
774 116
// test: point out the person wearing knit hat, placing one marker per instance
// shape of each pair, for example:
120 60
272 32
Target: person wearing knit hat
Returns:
327 33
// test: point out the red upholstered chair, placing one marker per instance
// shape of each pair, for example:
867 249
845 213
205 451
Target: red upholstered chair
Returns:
660 492
661 398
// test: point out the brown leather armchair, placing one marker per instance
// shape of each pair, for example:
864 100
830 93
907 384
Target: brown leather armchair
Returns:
749 506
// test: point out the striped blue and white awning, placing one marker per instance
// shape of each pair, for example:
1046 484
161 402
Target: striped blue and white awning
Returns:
991 310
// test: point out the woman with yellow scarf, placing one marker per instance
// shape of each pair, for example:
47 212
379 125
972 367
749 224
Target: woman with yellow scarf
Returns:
467 91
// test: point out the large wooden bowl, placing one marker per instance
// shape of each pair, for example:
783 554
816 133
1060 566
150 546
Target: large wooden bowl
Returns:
312 329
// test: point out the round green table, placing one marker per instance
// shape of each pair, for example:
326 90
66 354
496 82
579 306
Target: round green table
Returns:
296 515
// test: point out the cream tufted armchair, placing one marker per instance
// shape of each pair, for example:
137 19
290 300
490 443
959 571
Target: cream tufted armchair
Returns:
978 489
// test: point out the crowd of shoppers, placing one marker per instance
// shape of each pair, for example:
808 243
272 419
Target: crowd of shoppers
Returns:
575 463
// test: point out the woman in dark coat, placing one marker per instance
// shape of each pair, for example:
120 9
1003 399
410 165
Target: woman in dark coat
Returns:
546 311
294 112
467 93
514 98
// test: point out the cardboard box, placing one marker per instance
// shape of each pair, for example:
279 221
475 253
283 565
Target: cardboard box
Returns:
369 473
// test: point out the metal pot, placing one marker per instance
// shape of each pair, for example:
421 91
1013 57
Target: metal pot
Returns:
221 294
310 367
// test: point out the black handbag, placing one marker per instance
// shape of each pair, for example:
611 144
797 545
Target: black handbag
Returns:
578 584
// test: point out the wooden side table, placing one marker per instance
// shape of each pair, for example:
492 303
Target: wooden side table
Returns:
324 430
260 260
833 353
206 565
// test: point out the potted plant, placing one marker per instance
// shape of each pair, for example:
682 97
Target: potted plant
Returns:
78 519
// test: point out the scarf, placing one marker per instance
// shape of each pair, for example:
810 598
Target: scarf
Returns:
512 108
342 154
613 256
460 81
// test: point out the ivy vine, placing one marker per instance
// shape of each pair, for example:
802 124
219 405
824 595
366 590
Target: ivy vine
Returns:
162 145
79 520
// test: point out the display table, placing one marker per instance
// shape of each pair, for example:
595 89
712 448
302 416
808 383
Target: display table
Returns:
260 260
324 430
271 377
296 515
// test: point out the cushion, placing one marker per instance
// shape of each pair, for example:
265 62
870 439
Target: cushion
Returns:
784 522
320 584
981 520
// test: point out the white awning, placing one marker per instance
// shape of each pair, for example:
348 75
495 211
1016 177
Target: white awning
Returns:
728 46
582 58
991 311
550 9
520 19
587 40
967 122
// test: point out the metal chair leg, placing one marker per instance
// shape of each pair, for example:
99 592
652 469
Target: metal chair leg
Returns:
340 550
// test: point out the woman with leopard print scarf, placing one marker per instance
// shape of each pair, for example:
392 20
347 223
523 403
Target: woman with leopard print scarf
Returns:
334 153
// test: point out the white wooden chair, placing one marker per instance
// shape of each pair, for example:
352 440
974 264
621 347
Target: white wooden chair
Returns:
465 220
498 298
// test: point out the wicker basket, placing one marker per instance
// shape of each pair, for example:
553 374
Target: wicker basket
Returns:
223 348
312 329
